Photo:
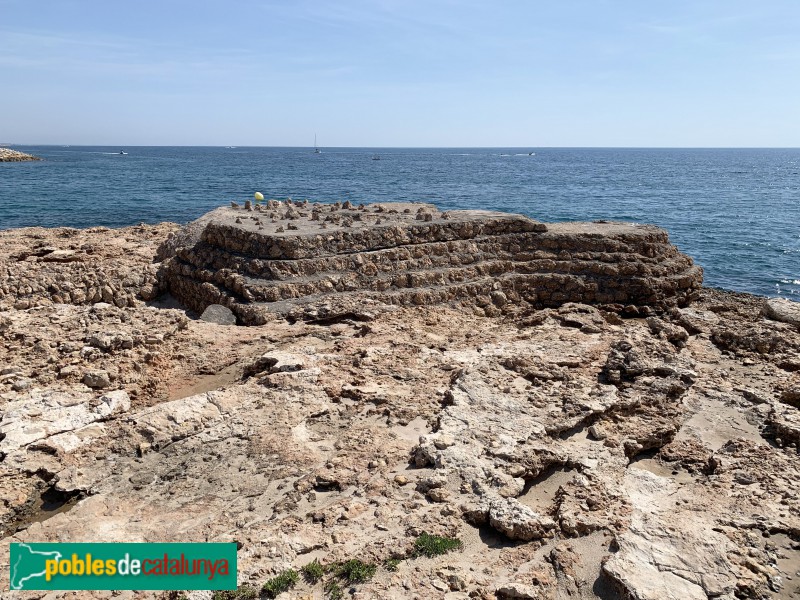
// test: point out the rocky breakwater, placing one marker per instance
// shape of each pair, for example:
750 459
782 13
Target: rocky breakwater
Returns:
313 261
8 155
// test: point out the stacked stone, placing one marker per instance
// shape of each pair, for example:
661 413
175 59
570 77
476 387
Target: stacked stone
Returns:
80 267
67 277
288 259
73 284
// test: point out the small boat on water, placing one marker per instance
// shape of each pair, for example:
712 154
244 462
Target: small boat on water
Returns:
123 153
376 157
316 149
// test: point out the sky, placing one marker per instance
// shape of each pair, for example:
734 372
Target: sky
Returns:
391 73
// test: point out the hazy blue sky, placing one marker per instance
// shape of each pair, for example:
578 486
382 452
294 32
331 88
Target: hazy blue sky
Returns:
401 73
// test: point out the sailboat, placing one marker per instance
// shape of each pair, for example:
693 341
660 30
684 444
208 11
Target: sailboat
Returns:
316 150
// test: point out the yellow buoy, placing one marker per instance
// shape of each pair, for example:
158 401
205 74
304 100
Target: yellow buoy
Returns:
258 196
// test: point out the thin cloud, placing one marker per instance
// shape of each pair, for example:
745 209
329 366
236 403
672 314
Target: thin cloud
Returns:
120 56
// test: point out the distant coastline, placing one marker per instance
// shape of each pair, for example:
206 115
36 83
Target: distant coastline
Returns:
8 155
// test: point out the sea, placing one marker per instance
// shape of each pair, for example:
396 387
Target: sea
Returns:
736 211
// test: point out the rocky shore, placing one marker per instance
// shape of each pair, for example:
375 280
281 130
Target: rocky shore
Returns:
8 155
642 448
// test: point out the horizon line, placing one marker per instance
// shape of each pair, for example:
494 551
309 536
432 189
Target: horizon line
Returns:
10 144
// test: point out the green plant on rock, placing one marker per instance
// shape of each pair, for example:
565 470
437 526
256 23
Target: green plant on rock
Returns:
246 592
313 571
355 571
391 564
435 545
285 581
333 591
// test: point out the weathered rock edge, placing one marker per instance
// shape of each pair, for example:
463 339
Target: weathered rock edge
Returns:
312 261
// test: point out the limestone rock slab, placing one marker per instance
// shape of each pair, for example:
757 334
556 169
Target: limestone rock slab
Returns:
780 309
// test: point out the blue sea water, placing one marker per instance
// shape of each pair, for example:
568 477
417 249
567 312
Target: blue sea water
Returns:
736 211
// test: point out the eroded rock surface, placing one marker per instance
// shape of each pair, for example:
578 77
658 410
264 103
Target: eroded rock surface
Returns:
316 261
783 310
575 453
70 266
